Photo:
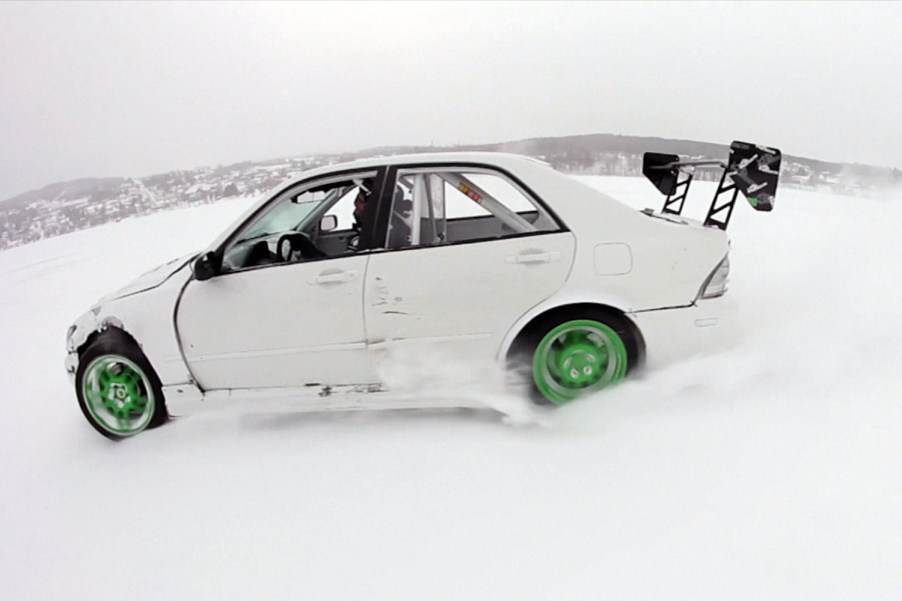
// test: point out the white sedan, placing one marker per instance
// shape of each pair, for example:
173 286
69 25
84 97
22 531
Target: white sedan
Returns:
493 259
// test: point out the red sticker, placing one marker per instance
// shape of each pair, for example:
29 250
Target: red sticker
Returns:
469 192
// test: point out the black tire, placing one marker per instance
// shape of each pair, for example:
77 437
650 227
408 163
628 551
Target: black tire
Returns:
522 354
111 350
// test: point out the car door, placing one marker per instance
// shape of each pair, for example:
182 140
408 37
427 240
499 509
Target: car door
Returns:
456 278
266 322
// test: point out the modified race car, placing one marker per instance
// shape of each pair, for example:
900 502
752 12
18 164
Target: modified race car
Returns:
493 258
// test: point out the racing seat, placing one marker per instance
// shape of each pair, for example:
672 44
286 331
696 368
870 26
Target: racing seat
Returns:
399 223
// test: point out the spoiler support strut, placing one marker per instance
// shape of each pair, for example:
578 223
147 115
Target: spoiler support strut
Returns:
753 170
717 208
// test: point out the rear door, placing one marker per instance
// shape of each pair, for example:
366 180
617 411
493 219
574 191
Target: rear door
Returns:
469 250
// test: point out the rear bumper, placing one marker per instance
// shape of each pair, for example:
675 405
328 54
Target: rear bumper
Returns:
707 327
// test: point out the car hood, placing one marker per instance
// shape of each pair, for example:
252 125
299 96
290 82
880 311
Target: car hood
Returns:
151 279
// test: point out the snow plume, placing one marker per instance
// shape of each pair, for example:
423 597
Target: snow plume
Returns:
871 182
441 371
527 147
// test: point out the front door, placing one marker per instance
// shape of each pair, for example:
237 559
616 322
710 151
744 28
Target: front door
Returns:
286 310
283 326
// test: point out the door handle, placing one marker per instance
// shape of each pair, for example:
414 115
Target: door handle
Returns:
333 277
527 257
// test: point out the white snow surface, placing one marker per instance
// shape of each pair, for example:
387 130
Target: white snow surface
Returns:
770 471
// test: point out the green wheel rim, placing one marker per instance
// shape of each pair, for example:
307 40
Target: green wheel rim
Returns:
576 358
118 395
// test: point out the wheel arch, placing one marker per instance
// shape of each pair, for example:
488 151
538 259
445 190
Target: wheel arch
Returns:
528 325
112 326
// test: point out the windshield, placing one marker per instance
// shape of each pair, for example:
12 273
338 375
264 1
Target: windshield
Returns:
295 213
288 216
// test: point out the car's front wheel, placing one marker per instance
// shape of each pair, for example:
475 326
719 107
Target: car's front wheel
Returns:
118 391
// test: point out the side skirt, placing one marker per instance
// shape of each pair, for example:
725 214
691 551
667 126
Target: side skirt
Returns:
185 399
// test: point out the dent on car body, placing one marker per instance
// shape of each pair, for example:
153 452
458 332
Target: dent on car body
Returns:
384 298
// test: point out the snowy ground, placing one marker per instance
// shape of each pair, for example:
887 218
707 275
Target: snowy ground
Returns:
773 471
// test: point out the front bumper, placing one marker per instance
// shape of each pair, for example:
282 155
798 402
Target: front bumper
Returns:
76 336
708 326
71 365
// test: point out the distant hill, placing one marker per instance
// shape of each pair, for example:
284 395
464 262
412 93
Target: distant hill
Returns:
69 206
633 145
95 189
574 144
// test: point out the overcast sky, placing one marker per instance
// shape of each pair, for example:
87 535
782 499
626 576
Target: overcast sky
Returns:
129 89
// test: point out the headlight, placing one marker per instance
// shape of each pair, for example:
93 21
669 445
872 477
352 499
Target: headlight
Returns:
716 284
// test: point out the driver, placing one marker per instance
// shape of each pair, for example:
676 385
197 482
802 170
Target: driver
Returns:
363 196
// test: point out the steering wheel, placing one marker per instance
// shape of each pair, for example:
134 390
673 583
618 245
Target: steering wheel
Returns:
297 241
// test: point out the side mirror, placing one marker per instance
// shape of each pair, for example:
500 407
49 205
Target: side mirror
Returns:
328 223
205 267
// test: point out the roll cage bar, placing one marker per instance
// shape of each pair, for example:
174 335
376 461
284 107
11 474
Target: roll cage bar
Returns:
426 199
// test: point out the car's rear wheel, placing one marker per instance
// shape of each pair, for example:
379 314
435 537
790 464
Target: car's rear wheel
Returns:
118 391
573 355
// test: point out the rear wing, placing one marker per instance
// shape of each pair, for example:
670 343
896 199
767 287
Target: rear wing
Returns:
751 169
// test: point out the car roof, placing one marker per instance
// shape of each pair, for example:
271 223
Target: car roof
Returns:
499 159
